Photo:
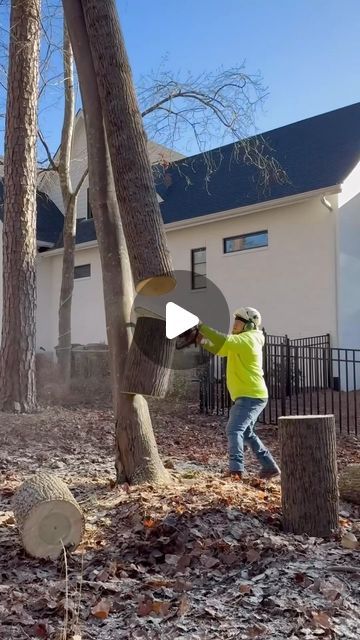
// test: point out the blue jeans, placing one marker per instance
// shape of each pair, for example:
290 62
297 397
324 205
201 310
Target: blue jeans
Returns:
241 430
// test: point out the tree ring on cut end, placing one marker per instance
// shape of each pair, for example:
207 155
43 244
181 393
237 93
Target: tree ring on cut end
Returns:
156 285
50 526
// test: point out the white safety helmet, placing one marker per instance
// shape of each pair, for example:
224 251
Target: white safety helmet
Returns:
248 314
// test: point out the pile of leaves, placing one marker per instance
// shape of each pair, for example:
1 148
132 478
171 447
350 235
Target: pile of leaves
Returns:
203 558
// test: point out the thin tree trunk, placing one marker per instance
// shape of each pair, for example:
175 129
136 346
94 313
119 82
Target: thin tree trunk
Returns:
309 475
67 287
69 201
140 213
137 457
18 344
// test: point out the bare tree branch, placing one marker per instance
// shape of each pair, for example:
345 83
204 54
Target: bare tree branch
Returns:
81 181
50 158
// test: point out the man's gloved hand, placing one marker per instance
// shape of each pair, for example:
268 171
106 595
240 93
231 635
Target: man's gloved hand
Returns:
187 338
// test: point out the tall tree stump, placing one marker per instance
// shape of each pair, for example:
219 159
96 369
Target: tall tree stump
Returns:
310 502
149 361
48 516
349 484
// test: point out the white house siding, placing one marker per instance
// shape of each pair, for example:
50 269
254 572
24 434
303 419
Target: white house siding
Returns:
87 315
292 281
349 262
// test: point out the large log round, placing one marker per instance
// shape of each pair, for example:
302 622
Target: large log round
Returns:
48 516
149 360
349 484
310 502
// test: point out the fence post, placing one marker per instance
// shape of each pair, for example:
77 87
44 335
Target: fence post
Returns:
283 377
288 366
310 502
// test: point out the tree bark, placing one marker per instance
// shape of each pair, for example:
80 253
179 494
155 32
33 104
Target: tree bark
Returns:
67 287
137 457
148 364
310 501
48 516
18 344
69 201
140 213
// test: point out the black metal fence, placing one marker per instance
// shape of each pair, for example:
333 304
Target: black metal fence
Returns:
304 376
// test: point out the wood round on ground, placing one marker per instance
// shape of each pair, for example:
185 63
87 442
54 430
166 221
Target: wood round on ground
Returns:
310 503
48 516
349 484
148 365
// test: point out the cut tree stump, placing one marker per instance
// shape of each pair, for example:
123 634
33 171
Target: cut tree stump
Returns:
148 365
310 502
48 516
349 484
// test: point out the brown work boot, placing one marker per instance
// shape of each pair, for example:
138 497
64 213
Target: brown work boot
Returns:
269 474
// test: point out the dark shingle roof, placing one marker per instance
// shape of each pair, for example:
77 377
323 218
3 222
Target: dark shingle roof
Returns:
49 221
316 153
85 232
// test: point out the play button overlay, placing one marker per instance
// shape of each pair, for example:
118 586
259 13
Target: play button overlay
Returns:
183 308
178 320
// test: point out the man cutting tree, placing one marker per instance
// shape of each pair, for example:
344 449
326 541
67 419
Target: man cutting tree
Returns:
246 385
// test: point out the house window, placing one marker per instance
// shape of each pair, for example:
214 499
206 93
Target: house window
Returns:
246 241
89 214
198 268
82 271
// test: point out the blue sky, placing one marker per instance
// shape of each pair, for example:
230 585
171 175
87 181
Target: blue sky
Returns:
308 51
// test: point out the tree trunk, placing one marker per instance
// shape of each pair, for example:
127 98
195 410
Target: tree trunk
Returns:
140 213
137 457
67 287
17 367
69 201
148 364
309 475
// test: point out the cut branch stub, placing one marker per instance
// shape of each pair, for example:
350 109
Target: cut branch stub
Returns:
48 516
149 360
310 502
134 184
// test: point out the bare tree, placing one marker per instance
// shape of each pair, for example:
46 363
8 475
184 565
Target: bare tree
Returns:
208 109
17 363
62 168
137 458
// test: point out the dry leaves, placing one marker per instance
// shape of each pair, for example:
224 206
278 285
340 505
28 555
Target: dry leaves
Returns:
201 557
101 609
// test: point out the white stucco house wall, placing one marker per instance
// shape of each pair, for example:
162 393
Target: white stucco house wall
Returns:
292 250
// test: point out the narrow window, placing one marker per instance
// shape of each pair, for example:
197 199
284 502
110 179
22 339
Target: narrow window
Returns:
198 268
82 271
246 241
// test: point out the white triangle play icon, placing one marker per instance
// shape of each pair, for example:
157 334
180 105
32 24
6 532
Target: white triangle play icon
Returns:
178 320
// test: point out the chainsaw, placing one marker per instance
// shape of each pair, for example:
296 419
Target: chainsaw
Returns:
183 340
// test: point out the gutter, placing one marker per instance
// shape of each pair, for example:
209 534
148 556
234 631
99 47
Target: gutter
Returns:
223 215
243 211
81 246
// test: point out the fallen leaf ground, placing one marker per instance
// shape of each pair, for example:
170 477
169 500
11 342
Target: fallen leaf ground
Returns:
202 559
